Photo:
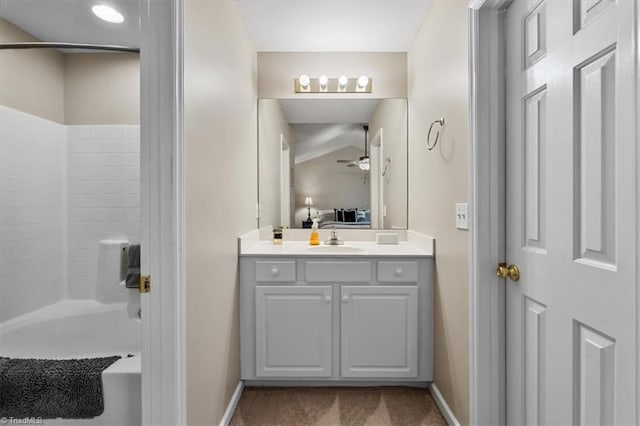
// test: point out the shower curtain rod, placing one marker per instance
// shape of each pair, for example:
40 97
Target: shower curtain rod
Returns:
57 45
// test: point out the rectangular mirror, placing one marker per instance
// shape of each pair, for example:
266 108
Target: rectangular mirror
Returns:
342 161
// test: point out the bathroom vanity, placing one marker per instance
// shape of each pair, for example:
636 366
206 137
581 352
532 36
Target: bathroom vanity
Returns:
355 312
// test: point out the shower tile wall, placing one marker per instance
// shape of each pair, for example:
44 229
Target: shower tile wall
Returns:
33 159
62 190
104 197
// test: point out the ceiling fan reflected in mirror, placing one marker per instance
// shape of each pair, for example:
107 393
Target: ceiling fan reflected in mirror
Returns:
363 162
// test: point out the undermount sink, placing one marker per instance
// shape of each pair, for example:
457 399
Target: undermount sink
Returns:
335 249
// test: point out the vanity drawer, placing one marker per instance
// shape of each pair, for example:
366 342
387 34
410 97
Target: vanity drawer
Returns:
398 272
276 271
338 272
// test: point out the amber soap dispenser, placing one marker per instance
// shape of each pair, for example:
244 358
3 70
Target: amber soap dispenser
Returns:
314 240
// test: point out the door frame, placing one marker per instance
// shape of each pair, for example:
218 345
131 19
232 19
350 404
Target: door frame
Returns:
376 189
162 211
285 182
487 212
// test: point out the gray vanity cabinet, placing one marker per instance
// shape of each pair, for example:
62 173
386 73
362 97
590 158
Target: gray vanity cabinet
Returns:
379 331
293 331
336 318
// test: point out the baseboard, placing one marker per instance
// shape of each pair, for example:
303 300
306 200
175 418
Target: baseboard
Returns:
443 406
334 383
233 403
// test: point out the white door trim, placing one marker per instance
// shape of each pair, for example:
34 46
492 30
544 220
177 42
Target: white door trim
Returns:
486 212
376 181
637 94
163 325
285 182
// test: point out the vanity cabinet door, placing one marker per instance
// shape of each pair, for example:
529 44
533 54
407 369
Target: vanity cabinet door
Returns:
293 331
379 331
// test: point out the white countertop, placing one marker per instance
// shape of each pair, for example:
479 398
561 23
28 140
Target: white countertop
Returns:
350 249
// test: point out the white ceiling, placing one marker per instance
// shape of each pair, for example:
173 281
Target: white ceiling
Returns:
315 140
274 25
333 25
72 20
323 126
328 110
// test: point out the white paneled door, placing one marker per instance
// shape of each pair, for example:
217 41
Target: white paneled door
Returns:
571 206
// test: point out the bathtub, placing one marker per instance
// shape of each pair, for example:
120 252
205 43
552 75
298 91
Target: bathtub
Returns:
84 329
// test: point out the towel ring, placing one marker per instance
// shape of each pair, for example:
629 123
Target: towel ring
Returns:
429 145
387 161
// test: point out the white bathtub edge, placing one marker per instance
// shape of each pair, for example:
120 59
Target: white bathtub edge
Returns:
233 403
61 309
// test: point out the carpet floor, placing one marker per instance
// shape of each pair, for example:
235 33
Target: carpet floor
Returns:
352 406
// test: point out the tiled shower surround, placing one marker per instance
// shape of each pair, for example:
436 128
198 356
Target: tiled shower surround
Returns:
62 190
32 212
104 197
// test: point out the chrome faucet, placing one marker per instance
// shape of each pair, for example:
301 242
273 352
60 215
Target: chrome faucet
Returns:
334 240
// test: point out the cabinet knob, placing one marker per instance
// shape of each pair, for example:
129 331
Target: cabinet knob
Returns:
274 271
345 298
399 272
327 299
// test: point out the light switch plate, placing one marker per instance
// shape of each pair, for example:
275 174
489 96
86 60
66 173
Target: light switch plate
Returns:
462 219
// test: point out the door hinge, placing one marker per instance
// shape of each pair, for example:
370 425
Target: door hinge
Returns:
145 284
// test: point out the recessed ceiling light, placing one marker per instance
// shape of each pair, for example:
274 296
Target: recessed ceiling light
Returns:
107 13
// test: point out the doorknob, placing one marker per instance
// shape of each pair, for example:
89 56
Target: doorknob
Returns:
512 272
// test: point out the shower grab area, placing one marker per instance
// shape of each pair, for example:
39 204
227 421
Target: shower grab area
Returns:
69 213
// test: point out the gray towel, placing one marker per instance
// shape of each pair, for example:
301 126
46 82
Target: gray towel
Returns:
133 266
50 388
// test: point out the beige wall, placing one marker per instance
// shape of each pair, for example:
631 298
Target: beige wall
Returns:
221 186
271 124
101 88
391 116
31 81
276 71
437 65
330 184
70 88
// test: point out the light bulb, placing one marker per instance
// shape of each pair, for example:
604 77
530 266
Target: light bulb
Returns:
323 81
363 81
342 83
304 81
107 13
364 166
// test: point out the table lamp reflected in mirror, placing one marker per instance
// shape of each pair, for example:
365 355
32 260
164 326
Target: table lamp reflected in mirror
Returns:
308 202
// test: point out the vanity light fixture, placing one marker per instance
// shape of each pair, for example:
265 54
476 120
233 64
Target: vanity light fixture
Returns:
107 13
304 83
363 83
323 80
342 83
325 84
